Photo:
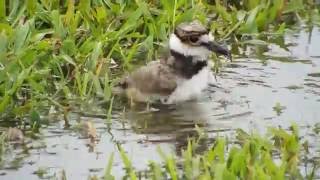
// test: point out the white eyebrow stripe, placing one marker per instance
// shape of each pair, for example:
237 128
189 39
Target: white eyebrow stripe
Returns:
178 46
206 38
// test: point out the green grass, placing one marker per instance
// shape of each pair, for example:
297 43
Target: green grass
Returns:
52 52
278 155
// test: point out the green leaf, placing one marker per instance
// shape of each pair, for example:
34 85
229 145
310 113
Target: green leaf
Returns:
14 7
40 35
31 7
281 29
263 19
19 81
251 4
6 28
294 5
69 47
222 11
131 23
187 16
87 46
107 87
97 85
22 110
256 42
219 169
156 171
3 46
276 9
250 25
36 86
84 6
127 163
2 9
84 83
59 30
109 115
168 7
21 36
170 164
68 59
228 175
97 51
35 120
28 57
69 17
5 101
101 15
107 174
43 46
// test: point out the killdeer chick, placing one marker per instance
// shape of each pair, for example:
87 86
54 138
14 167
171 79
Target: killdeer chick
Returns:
183 75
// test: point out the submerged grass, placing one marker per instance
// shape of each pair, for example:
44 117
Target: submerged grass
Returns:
55 51
278 155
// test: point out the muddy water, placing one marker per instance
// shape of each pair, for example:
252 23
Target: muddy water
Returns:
269 84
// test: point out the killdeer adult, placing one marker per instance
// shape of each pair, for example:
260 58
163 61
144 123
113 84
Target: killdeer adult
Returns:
183 75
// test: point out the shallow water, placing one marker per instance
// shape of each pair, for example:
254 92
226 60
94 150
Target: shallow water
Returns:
285 71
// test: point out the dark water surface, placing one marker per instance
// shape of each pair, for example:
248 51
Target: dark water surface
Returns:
283 72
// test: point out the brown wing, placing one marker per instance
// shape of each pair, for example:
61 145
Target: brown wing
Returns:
154 78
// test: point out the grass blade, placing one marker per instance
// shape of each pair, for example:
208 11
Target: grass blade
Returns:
107 174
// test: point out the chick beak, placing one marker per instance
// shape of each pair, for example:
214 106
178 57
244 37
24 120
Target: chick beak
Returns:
217 48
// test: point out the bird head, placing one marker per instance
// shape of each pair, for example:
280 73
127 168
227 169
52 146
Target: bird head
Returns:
193 39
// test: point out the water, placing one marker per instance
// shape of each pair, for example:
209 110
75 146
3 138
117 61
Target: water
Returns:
285 71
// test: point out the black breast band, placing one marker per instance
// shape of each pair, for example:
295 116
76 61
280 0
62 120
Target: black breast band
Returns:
185 66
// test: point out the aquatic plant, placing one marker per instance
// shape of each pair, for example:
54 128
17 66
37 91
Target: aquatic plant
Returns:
278 155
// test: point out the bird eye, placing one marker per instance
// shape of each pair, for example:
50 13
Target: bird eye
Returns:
193 39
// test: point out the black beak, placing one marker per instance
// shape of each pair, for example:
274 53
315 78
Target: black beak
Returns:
217 48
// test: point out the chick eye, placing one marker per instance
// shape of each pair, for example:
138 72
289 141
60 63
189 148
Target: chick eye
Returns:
193 39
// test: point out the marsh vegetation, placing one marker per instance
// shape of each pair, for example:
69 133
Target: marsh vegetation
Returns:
59 118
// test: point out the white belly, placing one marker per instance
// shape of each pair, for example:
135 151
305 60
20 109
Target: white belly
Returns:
191 88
